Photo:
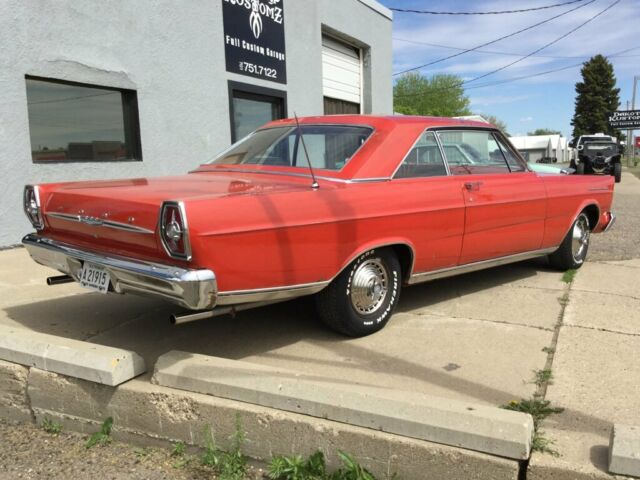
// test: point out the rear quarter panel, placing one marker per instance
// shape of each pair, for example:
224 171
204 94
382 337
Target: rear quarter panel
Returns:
567 196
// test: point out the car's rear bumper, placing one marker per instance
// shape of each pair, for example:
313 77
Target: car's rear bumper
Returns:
607 219
192 289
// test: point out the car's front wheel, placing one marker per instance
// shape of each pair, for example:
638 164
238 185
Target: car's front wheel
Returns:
361 299
573 249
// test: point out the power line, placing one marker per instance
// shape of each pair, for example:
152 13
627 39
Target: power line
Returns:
513 79
498 12
491 52
494 41
565 35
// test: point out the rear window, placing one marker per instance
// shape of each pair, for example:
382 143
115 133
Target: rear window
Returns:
330 147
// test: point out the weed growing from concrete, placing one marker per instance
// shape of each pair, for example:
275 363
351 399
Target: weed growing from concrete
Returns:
294 467
231 465
548 350
569 275
178 449
103 437
543 445
564 300
538 409
140 452
50 426
542 377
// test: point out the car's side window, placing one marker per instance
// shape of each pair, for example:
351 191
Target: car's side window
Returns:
423 160
472 152
515 164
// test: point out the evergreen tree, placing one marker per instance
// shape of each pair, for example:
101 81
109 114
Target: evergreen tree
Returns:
597 97
441 95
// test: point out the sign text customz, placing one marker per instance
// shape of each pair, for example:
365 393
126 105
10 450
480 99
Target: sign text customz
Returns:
626 119
254 38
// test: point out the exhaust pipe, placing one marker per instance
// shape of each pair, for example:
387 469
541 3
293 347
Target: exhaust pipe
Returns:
178 319
59 280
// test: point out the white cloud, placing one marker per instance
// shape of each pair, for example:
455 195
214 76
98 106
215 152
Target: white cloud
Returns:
497 99
526 119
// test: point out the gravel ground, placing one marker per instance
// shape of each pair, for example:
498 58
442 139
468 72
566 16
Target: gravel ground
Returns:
622 242
28 452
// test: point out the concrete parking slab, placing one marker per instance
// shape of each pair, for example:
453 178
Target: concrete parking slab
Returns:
596 374
624 450
462 424
97 363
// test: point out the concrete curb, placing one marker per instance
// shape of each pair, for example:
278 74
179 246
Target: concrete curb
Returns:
97 363
147 413
475 427
624 450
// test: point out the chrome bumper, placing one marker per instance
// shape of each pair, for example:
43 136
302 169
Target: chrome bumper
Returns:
192 289
611 222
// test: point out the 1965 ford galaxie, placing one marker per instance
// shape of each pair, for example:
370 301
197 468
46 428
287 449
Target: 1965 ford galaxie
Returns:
349 208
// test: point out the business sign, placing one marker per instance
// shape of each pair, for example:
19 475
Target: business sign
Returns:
637 142
627 119
254 38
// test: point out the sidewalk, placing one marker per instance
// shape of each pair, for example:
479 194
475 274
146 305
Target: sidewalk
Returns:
596 366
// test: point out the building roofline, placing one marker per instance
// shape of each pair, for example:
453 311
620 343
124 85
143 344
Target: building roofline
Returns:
378 7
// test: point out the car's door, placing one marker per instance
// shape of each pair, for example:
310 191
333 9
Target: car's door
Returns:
432 205
505 203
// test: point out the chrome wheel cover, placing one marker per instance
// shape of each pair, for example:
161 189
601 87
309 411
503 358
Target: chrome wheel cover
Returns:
580 238
369 286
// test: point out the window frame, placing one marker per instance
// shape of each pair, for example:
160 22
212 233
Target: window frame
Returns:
130 113
413 145
252 92
501 138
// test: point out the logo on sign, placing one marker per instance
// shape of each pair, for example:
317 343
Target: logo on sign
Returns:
259 9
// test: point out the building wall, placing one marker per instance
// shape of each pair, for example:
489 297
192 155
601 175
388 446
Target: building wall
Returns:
172 54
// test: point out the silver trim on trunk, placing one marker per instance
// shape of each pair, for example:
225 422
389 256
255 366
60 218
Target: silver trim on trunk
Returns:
101 222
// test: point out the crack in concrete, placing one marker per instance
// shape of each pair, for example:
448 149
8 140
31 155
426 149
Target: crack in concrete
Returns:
500 322
607 293
600 329
618 264
126 322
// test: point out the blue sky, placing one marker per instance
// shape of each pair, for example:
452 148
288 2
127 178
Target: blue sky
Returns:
543 101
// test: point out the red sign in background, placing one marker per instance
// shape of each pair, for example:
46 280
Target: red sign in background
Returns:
637 142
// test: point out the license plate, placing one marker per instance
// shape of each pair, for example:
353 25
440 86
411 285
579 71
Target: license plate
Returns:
94 277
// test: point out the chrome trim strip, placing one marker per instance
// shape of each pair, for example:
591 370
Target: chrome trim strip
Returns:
611 222
293 174
472 267
96 221
192 289
268 294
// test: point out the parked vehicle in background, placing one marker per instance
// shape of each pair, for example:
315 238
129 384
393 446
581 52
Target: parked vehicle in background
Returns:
598 154
347 208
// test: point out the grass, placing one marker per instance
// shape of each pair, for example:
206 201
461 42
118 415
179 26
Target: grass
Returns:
102 437
50 426
548 350
294 467
542 377
569 275
231 465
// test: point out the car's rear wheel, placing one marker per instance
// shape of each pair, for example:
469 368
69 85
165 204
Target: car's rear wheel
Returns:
617 172
573 249
362 298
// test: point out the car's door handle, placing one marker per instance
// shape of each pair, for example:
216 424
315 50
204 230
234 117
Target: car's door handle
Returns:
472 186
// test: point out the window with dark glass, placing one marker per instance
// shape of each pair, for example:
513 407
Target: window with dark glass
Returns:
72 122
329 147
251 107
472 152
423 160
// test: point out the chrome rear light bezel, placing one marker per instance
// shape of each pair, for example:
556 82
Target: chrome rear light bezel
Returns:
186 255
38 223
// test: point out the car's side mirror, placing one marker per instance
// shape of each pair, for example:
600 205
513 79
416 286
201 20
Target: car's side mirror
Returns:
580 147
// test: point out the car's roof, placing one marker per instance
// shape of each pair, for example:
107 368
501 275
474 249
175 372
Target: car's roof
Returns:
382 121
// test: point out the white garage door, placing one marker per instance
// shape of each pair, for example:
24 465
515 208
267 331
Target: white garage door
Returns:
341 71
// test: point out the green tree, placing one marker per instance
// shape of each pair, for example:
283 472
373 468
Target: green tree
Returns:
492 119
441 95
544 131
597 97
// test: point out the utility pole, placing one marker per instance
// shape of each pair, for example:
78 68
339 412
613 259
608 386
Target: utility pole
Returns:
629 139
633 107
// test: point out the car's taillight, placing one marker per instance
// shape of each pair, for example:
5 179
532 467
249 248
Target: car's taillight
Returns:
32 208
174 232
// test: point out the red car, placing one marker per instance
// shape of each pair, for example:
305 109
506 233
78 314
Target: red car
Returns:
349 208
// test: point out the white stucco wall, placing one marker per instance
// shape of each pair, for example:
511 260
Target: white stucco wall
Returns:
172 54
